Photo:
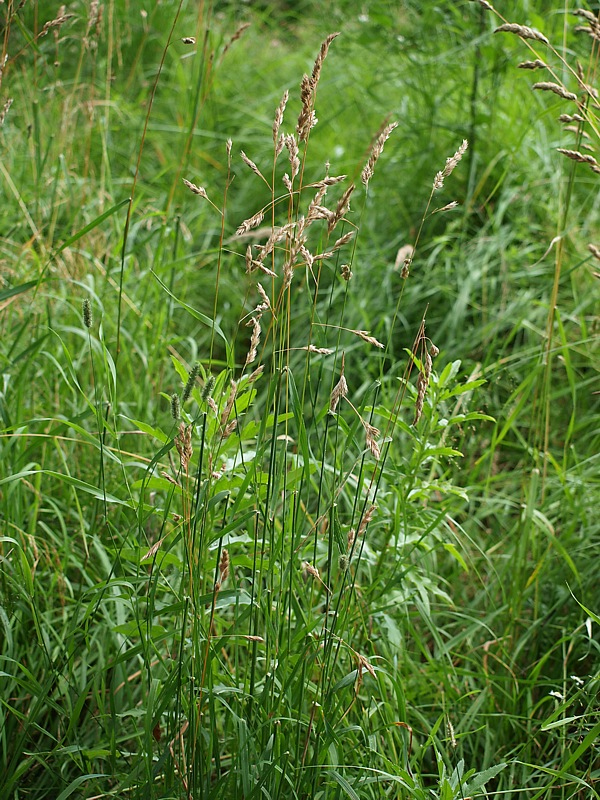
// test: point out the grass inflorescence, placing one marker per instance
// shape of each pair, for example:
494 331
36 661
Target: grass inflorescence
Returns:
298 446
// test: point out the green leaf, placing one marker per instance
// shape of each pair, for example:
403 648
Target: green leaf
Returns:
201 318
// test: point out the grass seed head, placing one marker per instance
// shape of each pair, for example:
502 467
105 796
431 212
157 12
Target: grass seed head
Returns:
189 385
175 407
523 31
86 309
549 86
208 388
376 151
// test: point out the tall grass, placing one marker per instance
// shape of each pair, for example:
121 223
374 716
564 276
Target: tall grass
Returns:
297 485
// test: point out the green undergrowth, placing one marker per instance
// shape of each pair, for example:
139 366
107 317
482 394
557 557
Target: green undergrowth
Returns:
301 504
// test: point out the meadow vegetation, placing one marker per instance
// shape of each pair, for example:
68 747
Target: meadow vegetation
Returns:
299 417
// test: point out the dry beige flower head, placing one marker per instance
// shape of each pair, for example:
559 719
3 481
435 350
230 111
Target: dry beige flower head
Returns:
279 117
451 163
223 569
595 251
367 517
249 163
371 434
376 151
254 340
582 158
366 337
537 64
548 86
346 272
339 390
199 190
183 443
250 223
292 148
523 31
322 351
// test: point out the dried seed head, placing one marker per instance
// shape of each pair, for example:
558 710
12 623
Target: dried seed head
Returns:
279 116
187 389
249 163
548 86
523 31
376 151
229 428
405 272
175 407
366 337
537 64
292 147
188 40
5 109
351 539
434 351
254 340
316 73
195 189
367 517
343 562
224 566
322 351
346 272
447 207
595 251
342 208
582 158
250 223
256 374
86 308
183 443
339 390
371 434
451 163
229 404
306 118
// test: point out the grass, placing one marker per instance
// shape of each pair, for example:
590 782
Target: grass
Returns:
311 519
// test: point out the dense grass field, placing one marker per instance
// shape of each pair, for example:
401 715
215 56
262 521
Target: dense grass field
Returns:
299 400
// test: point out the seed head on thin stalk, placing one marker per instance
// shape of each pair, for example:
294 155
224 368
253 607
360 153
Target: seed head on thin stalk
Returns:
190 383
223 569
339 390
279 116
523 31
183 443
376 151
451 163
86 308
